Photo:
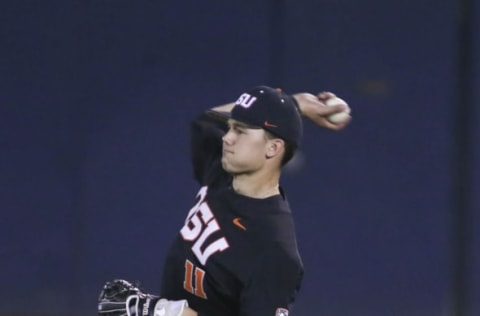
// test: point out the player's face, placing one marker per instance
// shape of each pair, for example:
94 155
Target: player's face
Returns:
244 148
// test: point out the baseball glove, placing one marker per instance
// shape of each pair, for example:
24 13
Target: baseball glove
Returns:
121 298
116 296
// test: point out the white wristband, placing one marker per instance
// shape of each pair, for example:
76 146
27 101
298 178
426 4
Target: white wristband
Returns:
169 308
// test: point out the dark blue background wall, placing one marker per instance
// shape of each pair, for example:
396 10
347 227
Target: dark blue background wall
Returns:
95 100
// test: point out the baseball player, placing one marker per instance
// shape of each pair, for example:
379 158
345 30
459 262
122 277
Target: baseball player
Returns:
236 253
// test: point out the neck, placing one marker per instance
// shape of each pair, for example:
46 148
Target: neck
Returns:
257 185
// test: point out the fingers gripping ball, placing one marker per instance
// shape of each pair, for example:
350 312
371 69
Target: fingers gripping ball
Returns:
339 117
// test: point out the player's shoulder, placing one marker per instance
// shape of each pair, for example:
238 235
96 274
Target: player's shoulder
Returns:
275 236
267 220
284 253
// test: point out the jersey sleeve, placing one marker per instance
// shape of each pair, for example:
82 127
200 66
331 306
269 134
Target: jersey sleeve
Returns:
206 149
273 285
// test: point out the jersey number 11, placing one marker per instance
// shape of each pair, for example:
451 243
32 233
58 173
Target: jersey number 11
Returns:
194 273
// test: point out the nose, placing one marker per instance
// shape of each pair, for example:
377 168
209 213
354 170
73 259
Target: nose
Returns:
228 137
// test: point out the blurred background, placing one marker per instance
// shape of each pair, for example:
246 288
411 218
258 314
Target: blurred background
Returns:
95 176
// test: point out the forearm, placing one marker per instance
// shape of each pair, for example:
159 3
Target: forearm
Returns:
305 103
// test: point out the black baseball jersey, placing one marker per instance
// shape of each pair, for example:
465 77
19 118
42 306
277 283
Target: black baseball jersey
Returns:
235 255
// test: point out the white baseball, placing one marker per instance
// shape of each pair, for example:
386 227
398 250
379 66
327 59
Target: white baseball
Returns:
339 117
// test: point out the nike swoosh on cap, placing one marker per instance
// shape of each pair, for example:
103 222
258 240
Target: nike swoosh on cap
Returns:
266 123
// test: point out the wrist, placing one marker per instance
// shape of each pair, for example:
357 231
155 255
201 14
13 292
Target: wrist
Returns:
150 305
164 307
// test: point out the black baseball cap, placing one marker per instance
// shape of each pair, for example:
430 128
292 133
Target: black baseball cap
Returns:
270 109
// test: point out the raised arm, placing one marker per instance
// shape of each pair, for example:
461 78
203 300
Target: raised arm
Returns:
312 107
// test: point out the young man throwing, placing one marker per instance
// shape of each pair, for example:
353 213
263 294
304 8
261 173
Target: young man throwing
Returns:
236 253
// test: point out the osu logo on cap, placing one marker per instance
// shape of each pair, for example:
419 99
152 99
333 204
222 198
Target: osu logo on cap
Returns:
246 100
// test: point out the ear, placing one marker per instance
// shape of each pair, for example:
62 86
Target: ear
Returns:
275 148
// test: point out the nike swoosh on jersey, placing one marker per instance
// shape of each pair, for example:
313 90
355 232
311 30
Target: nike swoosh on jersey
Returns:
236 222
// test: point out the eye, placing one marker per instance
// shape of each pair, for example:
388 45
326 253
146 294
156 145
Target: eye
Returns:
237 129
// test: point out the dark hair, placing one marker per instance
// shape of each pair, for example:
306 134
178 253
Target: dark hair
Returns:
290 148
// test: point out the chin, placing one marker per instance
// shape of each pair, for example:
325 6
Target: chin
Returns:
228 167
225 165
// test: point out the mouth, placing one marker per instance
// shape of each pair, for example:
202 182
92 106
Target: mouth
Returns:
226 151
